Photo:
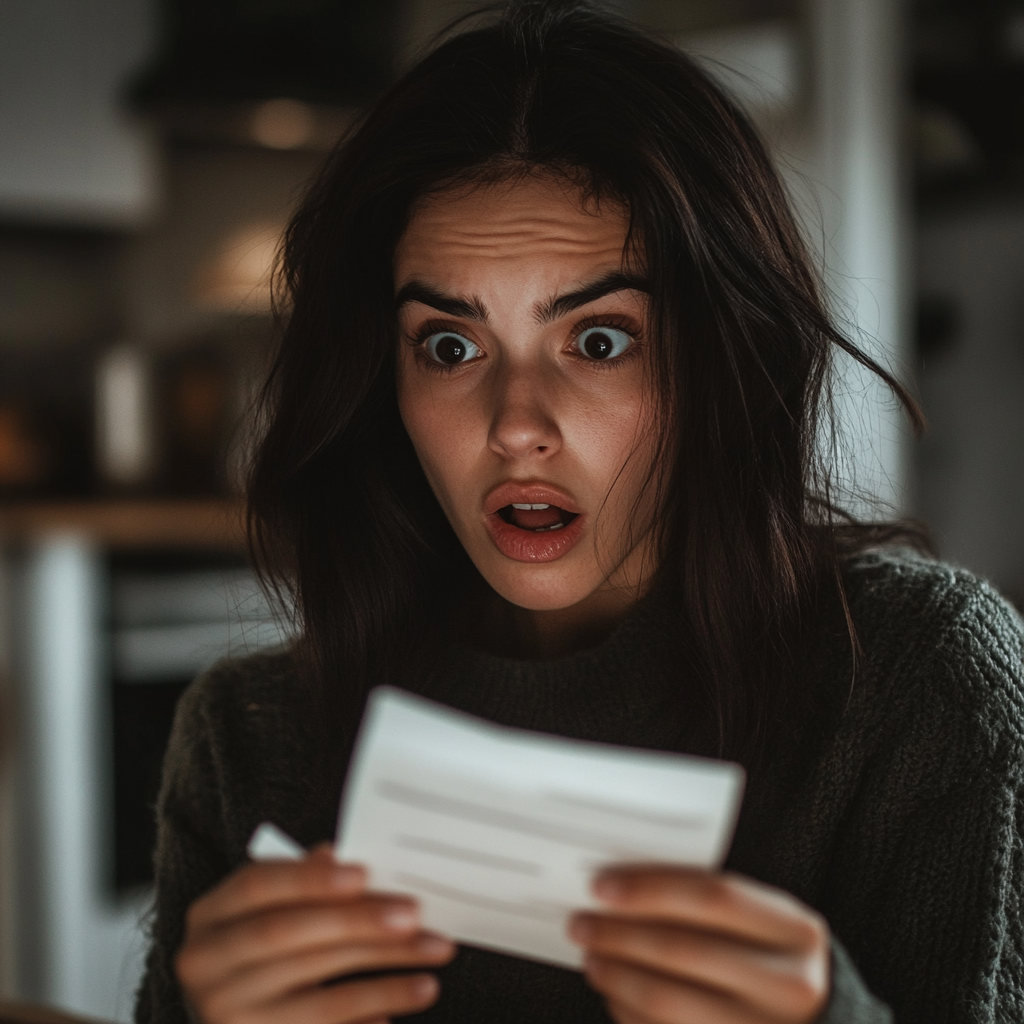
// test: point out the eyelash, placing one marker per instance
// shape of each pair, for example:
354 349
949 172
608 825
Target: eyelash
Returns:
419 338
625 324
620 323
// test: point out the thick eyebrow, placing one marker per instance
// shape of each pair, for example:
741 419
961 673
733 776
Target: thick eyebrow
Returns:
610 283
552 309
417 291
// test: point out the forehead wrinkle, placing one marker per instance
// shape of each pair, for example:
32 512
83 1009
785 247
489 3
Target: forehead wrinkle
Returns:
500 246
530 227
450 227
505 213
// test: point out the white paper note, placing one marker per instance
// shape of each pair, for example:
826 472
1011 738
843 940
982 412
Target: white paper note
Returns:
268 842
498 832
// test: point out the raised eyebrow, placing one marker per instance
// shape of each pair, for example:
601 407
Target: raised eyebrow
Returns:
557 307
452 305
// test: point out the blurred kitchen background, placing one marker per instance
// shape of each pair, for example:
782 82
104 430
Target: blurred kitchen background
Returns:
150 154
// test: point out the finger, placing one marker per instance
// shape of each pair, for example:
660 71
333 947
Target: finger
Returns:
267 884
714 901
270 982
358 1001
661 1000
220 952
771 980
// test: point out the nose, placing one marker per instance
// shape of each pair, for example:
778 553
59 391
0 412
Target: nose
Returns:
523 424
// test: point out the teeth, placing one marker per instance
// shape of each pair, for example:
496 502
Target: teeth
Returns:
533 508
548 529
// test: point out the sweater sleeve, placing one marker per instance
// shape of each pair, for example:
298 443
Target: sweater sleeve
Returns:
850 1001
189 857
927 880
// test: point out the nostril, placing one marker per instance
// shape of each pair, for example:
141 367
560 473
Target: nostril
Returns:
523 437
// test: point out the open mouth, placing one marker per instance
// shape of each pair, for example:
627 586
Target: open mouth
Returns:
536 517
526 525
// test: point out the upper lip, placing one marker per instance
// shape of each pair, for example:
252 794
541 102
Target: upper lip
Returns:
511 492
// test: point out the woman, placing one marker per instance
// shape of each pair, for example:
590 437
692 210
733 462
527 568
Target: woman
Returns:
541 443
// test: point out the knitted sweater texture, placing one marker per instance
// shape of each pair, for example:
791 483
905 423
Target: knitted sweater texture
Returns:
895 806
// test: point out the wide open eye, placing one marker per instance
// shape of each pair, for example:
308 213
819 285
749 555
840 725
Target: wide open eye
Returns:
601 343
450 349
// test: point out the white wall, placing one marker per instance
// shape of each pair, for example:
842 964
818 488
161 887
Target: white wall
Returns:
970 479
856 202
838 142
69 154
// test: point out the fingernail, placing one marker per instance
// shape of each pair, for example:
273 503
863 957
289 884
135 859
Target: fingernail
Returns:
433 945
400 916
424 987
609 888
581 930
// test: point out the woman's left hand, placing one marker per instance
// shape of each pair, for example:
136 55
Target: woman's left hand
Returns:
678 946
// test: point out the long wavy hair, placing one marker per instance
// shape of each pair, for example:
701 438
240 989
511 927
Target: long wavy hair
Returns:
341 517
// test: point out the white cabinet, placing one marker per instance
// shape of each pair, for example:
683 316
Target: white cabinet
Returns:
91 636
79 947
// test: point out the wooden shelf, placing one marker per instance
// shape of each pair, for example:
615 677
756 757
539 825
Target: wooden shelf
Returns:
185 523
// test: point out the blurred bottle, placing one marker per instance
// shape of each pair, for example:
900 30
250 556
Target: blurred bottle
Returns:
46 414
24 455
196 404
125 441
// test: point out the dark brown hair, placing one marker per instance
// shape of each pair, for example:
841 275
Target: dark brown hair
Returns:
340 512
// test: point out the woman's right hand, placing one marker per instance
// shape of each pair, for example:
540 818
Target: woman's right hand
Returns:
259 947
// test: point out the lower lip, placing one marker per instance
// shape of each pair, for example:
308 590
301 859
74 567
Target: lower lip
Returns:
531 546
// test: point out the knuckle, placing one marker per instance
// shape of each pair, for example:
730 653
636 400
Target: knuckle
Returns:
682 950
665 944
318 871
716 894
251 885
198 916
272 931
601 933
812 931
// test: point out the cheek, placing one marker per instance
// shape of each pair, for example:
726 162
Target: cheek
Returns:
438 436
619 445
617 439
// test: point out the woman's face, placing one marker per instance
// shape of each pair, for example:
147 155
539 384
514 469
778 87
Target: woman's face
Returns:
524 385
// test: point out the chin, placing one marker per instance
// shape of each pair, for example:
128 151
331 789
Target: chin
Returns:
540 589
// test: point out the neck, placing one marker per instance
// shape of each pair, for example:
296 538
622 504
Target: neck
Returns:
555 633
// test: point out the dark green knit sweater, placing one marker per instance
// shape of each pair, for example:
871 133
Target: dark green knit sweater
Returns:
896 808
